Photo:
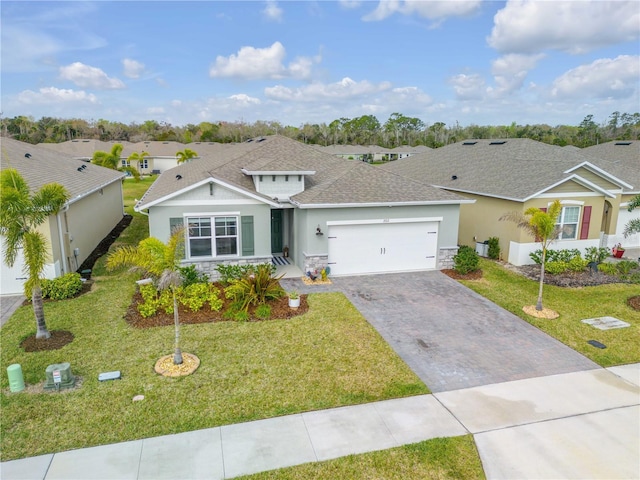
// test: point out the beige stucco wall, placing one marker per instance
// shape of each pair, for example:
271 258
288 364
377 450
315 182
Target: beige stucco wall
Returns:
89 220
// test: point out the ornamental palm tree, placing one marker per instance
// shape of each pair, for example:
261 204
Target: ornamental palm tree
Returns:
185 155
633 225
542 225
113 161
161 263
21 214
138 158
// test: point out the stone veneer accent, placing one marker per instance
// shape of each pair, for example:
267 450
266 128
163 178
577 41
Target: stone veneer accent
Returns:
315 262
445 257
209 266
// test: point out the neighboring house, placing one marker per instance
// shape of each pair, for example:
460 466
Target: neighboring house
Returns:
275 196
622 159
371 153
161 155
95 207
516 174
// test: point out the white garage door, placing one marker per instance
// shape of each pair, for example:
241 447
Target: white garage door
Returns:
377 246
11 278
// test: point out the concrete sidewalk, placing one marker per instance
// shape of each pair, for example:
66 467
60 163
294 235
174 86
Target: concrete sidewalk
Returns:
574 425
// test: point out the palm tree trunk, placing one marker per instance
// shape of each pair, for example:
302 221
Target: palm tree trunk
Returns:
38 310
539 302
177 356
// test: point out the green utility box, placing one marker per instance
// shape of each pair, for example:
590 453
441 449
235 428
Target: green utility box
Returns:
59 376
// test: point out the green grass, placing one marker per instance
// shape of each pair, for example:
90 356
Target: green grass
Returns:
512 291
440 458
326 358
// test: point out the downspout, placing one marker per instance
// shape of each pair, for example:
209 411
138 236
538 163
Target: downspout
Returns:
65 269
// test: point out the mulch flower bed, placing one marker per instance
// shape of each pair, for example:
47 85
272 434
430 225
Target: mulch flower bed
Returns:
58 339
279 310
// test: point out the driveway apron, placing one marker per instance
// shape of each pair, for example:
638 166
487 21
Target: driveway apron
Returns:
450 336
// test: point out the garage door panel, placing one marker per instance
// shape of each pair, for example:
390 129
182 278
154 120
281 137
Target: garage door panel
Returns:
382 247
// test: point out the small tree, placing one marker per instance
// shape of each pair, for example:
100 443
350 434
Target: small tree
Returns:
113 160
633 225
161 262
185 155
542 226
138 158
21 214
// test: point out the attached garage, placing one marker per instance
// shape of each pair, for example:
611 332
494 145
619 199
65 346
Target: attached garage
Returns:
384 245
12 278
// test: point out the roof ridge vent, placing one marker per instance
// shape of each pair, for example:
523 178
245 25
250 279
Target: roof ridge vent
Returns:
497 142
623 143
470 143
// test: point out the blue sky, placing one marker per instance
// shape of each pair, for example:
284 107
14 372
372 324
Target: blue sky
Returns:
296 62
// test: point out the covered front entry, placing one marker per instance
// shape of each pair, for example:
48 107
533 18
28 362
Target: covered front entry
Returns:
378 246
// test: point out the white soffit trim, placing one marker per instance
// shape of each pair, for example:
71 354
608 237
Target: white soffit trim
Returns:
277 172
384 220
601 172
386 204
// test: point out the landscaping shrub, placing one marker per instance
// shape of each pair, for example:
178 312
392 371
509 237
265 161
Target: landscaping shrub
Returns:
595 254
577 264
564 255
626 266
263 311
230 273
191 275
493 251
66 286
608 268
555 267
466 260
193 297
255 288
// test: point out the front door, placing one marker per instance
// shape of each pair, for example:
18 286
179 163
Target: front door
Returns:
276 231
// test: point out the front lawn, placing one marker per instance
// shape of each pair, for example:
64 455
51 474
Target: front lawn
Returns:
326 358
513 291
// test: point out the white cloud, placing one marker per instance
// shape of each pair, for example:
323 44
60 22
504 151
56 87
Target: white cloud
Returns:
345 88
431 9
604 78
89 77
272 11
132 68
258 63
244 100
528 26
467 86
510 71
53 95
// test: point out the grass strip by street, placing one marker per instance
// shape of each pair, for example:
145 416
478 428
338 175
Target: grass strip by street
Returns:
512 291
441 458
327 358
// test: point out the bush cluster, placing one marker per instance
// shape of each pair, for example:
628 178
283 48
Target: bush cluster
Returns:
193 297
254 288
493 251
560 261
60 288
230 273
466 260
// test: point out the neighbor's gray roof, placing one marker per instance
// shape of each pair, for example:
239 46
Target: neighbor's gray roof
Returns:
516 169
81 148
620 158
48 166
336 181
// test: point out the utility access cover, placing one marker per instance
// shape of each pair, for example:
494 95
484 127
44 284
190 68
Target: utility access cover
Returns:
605 323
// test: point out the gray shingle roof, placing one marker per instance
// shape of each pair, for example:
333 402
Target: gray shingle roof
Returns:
516 169
336 181
620 158
48 166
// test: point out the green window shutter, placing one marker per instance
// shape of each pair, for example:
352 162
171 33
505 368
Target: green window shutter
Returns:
247 235
177 222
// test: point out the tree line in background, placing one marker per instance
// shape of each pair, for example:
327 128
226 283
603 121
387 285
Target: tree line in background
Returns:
365 130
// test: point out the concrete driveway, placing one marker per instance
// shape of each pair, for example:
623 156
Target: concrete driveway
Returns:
451 337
